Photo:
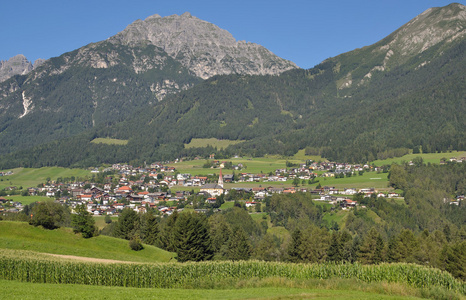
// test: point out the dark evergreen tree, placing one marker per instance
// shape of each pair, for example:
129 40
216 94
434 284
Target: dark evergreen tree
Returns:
83 222
128 223
294 252
191 238
239 246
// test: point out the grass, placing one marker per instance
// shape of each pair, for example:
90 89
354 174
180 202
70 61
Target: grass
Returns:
252 165
26 200
338 216
366 180
427 157
100 221
30 177
22 236
26 290
198 143
109 141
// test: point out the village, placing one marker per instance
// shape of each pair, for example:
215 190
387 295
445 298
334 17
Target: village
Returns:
162 188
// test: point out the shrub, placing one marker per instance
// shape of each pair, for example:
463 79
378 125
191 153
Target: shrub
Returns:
135 244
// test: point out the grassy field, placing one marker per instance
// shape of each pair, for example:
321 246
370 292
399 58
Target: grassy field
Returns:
29 177
100 221
22 236
251 165
218 144
26 200
427 157
26 290
109 141
21 290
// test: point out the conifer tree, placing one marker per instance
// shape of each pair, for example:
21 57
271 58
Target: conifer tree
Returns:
239 246
191 238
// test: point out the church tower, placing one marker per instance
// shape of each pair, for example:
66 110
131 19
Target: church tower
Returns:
220 178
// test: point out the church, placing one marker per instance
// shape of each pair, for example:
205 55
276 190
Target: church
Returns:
214 189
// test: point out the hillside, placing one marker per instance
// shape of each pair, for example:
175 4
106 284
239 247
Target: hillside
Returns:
404 93
22 236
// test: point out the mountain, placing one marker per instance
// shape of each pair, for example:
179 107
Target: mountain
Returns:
17 65
106 82
202 47
405 92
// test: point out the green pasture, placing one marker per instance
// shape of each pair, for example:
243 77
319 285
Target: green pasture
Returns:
26 200
427 157
218 144
31 177
27 290
22 236
109 141
251 165
100 221
366 180
338 216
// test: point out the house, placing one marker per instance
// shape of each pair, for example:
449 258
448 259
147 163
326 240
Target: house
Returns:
251 203
124 190
350 192
348 203
211 200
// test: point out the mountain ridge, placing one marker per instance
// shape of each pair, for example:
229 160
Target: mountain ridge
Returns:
351 107
189 39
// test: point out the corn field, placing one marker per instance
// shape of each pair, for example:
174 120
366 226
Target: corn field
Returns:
180 275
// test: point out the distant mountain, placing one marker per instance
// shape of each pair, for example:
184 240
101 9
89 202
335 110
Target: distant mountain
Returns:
105 82
202 47
406 92
17 65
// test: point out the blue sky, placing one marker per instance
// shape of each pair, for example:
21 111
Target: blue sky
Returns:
305 32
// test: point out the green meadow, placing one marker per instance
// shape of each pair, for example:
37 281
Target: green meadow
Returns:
26 200
30 177
109 141
27 290
217 144
62 241
433 158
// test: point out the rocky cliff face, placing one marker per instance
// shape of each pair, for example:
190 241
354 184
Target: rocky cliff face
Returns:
17 65
436 27
202 47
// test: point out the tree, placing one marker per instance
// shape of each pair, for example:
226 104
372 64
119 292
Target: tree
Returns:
372 248
128 222
191 238
149 228
50 215
83 222
220 232
108 219
239 246
294 252
296 182
335 250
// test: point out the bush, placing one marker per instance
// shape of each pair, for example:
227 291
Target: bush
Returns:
135 244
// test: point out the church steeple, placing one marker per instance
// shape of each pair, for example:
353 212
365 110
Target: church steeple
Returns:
220 178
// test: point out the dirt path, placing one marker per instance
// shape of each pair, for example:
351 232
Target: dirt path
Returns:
90 259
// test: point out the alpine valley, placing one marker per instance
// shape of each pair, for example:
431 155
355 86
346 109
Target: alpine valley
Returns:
164 81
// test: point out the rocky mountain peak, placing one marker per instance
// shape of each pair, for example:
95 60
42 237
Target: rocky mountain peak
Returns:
431 27
17 65
204 48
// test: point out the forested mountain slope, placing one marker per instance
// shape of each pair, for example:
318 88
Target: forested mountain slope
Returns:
406 91
108 81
